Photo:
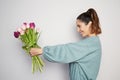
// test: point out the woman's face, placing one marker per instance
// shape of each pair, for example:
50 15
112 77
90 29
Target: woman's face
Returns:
83 28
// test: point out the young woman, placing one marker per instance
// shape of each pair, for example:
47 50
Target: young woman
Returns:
83 56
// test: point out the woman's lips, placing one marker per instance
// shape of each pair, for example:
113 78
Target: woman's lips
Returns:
81 32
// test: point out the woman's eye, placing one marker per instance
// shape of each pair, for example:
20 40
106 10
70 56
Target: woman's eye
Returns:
78 26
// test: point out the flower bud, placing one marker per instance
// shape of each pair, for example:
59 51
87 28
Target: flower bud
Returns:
16 34
32 25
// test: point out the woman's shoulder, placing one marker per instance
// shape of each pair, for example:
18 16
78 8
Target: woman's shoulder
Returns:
86 42
93 40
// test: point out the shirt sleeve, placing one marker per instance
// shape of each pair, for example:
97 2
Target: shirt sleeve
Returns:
66 53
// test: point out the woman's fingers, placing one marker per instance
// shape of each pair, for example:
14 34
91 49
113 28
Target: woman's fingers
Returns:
35 51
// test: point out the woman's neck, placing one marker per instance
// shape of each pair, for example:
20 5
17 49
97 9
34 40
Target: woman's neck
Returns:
90 35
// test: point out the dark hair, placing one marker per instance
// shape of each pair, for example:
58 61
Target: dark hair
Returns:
91 15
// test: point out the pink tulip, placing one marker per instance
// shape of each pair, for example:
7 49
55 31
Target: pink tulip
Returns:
22 32
19 29
26 25
23 27
38 29
32 25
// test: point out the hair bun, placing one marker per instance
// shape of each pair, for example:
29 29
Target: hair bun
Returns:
92 13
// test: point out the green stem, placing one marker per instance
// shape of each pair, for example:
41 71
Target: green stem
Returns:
40 61
33 65
39 64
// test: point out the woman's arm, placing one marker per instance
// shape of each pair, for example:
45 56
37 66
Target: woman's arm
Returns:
64 53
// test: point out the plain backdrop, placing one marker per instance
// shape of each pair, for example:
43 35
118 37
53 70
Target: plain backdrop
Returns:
57 21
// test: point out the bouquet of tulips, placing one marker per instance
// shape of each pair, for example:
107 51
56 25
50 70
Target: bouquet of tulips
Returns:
29 36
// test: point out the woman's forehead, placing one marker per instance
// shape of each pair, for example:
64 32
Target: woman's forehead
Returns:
79 22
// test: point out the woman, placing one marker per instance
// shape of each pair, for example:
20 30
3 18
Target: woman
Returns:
83 56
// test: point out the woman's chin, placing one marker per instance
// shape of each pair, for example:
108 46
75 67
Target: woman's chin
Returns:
83 35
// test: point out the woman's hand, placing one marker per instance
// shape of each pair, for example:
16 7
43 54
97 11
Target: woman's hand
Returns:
36 51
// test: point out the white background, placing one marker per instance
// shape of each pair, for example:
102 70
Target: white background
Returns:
56 19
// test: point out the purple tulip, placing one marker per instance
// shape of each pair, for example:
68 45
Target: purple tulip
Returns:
16 34
32 25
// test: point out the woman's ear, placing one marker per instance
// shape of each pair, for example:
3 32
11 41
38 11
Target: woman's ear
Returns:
89 24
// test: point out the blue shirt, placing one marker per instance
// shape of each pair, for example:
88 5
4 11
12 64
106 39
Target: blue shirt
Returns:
83 57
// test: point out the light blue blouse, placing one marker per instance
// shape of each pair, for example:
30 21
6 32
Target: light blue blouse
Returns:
83 57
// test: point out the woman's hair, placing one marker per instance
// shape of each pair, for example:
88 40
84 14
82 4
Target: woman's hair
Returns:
91 15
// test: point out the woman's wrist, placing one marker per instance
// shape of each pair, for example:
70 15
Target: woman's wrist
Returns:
40 51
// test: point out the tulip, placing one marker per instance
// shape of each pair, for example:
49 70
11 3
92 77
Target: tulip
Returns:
38 29
22 32
19 29
26 25
32 25
23 27
16 34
